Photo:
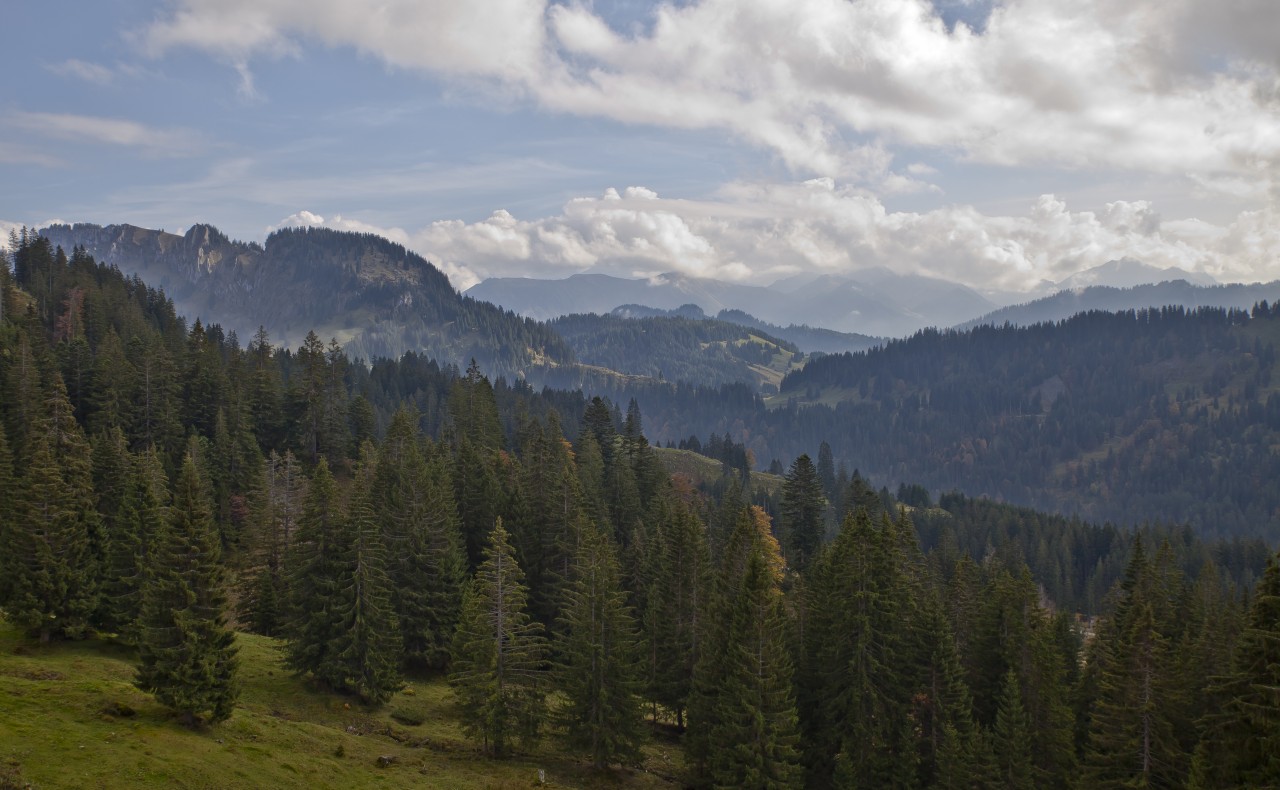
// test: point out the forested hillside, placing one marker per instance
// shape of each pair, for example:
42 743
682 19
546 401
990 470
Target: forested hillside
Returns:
162 487
374 296
805 338
1071 301
675 348
1167 415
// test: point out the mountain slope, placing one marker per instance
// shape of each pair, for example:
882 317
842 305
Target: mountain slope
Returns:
805 338
701 351
374 296
1067 303
873 302
1128 273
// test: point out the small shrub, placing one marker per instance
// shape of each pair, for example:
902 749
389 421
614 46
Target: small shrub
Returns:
119 710
408 716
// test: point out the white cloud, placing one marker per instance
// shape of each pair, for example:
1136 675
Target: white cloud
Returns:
110 131
832 87
89 72
758 232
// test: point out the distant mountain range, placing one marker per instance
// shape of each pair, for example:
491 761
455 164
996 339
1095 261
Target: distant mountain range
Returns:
874 302
866 304
1128 273
1067 303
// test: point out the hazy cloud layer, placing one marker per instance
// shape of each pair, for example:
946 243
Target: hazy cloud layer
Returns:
110 131
832 87
760 232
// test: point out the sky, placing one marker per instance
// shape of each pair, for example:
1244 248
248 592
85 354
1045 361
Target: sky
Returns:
1001 145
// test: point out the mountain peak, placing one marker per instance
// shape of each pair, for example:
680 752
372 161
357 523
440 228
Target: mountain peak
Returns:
1128 273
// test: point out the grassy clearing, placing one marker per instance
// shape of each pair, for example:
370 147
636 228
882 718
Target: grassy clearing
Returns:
701 469
70 717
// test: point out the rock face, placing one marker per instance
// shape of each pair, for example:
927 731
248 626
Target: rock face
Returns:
372 295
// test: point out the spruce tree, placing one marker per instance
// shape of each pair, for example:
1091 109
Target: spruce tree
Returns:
803 510
598 673
860 676
1011 737
429 572
755 740
317 564
675 603
1131 734
1241 745
276 506
55 529
497 669
751 533
185 649
138 524
365 652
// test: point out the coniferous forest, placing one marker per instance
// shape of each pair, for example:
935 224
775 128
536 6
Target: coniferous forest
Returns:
166 486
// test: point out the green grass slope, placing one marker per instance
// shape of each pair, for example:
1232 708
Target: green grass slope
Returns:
702 470
70 717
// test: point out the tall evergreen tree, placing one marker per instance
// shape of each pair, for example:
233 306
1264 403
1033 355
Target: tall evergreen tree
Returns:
1011 737
1131 735
475 410
497 670
186 651
55 531
1241 745
598 673
276 508
756 733
675 605
750 534
317 564
139 523
803 510
859 680
366 650
420 525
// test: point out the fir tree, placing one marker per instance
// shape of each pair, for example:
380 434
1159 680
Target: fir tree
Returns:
1241 745
498 654
277 504
756 733
1131 736
675 603
139 523
186 651
317 564
429 564
55 530
1011 737
365 653
597 675
860 675
803 507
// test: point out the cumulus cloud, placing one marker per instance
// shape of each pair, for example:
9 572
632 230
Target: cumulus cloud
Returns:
832 87
759 232
110 131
